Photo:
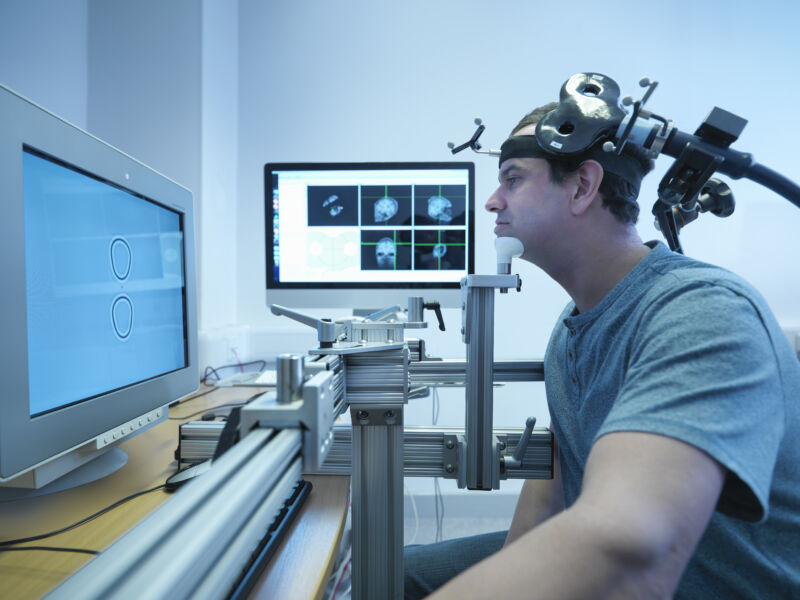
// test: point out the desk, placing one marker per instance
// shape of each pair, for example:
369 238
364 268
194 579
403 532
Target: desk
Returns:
300 568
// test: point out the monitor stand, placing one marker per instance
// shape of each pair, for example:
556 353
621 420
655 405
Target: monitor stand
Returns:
97 468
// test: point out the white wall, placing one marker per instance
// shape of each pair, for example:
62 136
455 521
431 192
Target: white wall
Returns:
144 82
43 50
219 162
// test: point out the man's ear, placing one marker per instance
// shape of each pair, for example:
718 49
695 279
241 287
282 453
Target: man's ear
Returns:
589 175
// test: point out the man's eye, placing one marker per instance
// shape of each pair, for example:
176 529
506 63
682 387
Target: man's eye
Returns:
510 181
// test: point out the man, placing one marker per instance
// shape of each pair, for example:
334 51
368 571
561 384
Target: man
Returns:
674 400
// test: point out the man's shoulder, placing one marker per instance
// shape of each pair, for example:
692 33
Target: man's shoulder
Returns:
671 272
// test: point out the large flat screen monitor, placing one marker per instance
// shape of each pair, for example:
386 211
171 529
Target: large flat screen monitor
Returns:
98 302
368 235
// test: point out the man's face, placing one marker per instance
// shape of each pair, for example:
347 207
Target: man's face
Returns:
529 206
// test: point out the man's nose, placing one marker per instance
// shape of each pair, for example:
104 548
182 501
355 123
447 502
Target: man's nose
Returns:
494 203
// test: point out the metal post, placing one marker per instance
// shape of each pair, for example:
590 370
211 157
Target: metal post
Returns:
377 390
480 358
290 377
377 495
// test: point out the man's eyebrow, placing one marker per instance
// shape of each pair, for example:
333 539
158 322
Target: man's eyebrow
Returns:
506 170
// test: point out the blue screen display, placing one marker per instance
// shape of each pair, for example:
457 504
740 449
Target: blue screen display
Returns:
104 284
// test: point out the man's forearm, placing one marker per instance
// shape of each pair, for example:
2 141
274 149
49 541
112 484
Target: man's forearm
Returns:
568 556
645 502
538 501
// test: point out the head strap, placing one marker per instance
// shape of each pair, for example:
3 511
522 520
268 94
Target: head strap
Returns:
527 146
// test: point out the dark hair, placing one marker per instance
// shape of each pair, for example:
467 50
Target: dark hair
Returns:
619 196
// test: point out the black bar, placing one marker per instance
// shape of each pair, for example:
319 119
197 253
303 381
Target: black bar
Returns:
271 540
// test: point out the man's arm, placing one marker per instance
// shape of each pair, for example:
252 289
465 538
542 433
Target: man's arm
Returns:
539 500
645 502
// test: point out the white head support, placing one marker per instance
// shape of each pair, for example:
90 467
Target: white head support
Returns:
507 248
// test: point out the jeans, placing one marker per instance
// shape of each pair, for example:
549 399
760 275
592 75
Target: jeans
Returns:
430 566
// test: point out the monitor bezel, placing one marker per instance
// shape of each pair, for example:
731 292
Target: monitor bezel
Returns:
413 288
27 441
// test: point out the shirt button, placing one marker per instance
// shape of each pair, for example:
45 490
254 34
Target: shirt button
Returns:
574 379
570 355
572 332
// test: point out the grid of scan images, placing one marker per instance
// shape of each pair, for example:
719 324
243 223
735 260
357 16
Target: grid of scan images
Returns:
402 227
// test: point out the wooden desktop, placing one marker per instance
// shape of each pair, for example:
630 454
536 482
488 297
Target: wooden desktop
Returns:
300 568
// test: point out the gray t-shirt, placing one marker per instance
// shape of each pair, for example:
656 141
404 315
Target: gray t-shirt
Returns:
691 351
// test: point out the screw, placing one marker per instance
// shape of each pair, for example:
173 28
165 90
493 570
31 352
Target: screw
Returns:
450 444
362 414
389 414
449 468
501 445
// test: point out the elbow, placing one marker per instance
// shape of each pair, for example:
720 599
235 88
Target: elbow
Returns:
632 541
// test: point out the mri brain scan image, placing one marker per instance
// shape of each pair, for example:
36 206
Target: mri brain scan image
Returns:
440 209
333 205
439 250
385 253
385 209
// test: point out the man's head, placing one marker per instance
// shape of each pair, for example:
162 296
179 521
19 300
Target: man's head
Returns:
557 206
618 195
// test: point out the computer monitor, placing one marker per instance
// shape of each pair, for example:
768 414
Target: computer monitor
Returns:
368 235
98 301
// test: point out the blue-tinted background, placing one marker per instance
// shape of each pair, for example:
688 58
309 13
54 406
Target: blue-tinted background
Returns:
74 351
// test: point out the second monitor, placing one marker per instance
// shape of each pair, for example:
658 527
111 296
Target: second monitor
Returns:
341 235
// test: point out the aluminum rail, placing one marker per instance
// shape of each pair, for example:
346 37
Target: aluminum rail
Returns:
426 453
171 552
454 371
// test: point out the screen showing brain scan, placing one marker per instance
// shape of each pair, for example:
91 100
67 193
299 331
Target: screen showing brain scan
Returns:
360 225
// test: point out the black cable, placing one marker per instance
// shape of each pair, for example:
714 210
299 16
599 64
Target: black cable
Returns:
174 404
211 408
209 371
81 522
776 182
51 549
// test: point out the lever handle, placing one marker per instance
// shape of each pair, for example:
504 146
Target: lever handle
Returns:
327 331
303 318
436 307
522 446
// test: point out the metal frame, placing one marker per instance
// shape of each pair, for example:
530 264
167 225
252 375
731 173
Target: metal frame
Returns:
369 368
